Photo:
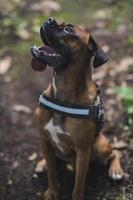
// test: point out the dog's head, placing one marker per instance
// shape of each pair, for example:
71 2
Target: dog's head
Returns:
65 44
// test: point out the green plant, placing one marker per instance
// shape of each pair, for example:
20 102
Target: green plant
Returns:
120 198
126 93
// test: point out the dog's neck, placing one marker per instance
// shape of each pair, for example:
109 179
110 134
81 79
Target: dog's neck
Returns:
73 82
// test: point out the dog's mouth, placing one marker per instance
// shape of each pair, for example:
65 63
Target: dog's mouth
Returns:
47 54
42 56
54 52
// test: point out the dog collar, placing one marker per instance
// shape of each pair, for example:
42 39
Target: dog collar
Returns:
93 112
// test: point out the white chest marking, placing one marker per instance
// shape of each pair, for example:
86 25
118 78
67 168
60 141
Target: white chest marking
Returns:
54 131
54 86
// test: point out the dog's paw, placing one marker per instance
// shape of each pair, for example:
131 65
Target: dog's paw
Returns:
116 173
78 196
51 195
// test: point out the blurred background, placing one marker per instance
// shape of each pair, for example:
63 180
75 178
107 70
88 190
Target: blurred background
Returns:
111 23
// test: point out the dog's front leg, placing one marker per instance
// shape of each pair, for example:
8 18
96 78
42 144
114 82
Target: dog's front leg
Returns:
41 117
82 162
52 192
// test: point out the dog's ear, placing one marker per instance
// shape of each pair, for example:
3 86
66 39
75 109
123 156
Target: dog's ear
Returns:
95 50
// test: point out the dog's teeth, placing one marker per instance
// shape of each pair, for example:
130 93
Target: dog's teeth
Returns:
50 54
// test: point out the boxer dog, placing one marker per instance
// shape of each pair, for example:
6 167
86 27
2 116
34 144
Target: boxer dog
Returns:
68 113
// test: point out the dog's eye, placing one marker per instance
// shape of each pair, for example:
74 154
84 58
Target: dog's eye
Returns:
68 30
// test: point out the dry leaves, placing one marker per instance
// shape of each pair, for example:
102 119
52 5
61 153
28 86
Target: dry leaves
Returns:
35 176
5 65
118 144
10 182
32 157
41 166
15 164
23 34
70 167
21 108
106 48
46 6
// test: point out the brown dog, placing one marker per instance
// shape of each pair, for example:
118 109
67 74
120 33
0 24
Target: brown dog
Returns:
66 130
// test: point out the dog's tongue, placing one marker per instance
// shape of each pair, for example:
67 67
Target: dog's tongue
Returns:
37 66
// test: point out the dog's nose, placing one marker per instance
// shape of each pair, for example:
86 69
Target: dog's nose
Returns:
51 21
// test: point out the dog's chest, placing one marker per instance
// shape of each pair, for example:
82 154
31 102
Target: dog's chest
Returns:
57 133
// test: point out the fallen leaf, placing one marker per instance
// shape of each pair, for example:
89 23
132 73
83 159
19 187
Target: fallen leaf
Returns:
23 34
5 65
38 193
109 91
70 167
35 176
118 144
46 6
15 164
106 48
32 157
9 182
41 166
21 108
102 13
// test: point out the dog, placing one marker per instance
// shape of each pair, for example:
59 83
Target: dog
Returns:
70 112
